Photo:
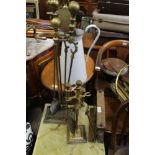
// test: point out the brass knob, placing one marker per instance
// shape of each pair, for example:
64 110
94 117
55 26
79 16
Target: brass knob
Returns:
54 4
68 86
79 83
56 22
74 7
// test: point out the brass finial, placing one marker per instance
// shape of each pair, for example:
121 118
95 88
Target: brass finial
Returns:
56 22
54 4
74 7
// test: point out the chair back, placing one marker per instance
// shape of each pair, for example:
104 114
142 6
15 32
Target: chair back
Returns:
113 49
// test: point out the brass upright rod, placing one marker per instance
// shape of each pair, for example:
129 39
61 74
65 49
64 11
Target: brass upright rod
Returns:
54 71
57 69
65 70
59 78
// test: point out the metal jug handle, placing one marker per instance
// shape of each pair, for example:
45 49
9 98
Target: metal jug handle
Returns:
96 38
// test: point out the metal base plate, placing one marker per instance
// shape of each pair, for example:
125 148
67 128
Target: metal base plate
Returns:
79 137
59 117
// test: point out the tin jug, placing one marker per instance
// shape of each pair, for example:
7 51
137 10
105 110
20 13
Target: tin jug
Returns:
78 69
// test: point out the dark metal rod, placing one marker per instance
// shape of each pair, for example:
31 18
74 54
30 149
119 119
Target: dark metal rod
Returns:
72 58
65 69
76 117
70 68
66 50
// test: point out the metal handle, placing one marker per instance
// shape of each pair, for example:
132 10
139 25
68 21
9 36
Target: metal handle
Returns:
95 40
117 77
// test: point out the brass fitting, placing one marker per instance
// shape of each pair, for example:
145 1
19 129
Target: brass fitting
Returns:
74 7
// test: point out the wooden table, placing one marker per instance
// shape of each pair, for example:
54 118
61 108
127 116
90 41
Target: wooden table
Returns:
51 141
47 76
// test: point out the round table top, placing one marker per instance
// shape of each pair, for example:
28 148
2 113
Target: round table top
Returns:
112 66
47 77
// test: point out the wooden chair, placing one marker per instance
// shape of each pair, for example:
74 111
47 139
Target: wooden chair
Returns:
120 146
115 48
112 121
112 113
